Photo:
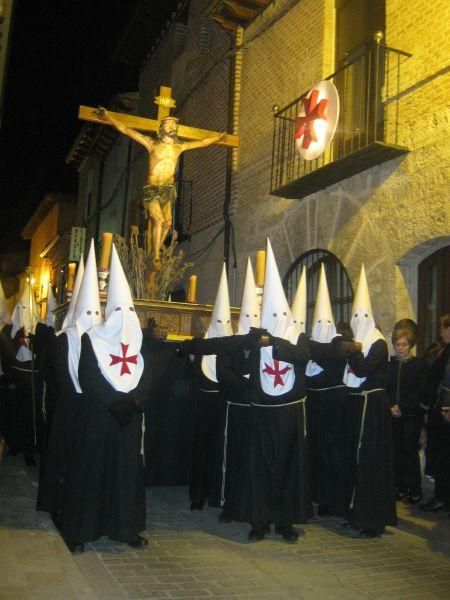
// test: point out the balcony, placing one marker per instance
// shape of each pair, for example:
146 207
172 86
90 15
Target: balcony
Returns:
368 84
230 14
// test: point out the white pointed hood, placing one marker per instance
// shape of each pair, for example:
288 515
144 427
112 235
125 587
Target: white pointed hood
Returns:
5 317
323 329
299 310
277 377
68 319
250 312
87 311
220 324
25 315
50 318
363 326
117 342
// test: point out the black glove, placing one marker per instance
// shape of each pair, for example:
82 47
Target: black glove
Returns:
345 348
124 408
253 338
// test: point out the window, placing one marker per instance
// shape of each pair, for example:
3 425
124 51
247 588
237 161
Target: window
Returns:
339 287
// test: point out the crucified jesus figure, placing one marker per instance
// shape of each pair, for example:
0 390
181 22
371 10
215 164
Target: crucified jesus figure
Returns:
159 192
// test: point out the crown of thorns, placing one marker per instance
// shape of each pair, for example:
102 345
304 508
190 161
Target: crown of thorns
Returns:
166 119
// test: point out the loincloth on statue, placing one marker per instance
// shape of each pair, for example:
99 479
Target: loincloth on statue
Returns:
165 194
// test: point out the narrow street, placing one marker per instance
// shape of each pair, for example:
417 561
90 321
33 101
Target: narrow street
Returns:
191 555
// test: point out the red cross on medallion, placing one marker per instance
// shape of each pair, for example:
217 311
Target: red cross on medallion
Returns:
277 372
23 342
304 126
124 359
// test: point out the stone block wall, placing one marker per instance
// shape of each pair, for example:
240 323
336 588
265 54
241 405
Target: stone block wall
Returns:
379 216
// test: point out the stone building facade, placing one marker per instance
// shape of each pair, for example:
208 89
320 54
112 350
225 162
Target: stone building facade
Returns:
391 216
394 215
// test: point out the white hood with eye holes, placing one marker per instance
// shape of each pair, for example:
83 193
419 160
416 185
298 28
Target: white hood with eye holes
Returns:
250 315
84 313
363 326
323 330
277 377
117 343
220 324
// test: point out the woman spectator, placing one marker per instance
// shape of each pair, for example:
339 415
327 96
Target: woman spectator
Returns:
406 388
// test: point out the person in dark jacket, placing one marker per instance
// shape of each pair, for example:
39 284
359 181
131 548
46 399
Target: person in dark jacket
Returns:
438 384
406 389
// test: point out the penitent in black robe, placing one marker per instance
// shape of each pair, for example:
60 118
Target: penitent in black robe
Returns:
23 420
57 456
372 505
233 377
105 493
327 414
207 477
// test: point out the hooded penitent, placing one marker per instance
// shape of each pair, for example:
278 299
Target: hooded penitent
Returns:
86 313
68 319
363 326
277 377
50 317
250 311
25 316
220 324
298 310
117 342
323 329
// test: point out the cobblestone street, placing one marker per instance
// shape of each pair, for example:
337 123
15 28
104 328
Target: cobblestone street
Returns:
191 555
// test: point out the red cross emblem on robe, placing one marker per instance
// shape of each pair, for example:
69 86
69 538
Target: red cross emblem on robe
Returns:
304 126
277 372
23 342
124 359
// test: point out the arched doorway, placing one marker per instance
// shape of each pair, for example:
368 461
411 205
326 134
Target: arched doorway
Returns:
339 286
434 295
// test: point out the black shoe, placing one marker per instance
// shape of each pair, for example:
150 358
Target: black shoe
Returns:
197 505
75 547
256 534
400 495
323 510
138 542
433 505
224 517
413 498
57 520
30 461
288 533
350 526
370 533
266 527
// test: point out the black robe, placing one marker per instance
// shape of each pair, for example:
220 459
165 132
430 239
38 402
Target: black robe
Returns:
57 456
373 501
24 419
275 478
212 415
207 439
105 493
326 408
232 373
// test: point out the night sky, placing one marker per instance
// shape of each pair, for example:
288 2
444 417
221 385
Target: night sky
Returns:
61 56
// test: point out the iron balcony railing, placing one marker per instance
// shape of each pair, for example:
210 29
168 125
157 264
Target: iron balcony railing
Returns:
368 84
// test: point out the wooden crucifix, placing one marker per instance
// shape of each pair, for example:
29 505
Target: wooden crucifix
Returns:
159 192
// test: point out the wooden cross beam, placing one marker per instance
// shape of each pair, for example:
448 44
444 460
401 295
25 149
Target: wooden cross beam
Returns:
165 103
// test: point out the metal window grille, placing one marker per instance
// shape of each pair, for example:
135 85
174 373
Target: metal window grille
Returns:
339 286
368 83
